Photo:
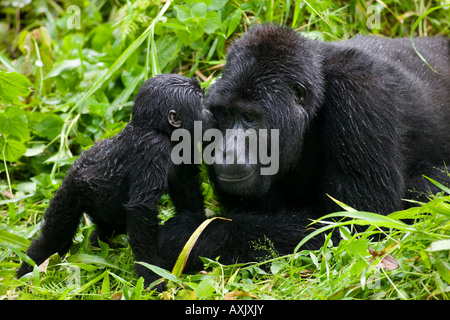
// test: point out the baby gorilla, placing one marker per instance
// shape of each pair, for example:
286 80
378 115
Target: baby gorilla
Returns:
119 181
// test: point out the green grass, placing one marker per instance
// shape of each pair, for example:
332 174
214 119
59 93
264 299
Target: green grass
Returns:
61 89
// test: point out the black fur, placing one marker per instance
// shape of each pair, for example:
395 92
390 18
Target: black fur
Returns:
361 120
119 181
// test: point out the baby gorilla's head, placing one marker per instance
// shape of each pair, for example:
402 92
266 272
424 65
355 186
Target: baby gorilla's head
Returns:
167 102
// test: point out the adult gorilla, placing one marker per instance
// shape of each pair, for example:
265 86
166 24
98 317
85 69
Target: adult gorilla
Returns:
360 120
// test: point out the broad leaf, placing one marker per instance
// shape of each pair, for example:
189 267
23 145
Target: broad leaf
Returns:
13 85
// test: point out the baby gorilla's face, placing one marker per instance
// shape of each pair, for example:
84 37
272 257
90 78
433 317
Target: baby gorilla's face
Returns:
187 105
168 102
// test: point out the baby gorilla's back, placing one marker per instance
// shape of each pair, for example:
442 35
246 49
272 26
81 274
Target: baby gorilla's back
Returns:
119 181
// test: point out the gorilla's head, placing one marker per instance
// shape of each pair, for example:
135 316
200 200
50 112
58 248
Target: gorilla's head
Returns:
169 101
272 80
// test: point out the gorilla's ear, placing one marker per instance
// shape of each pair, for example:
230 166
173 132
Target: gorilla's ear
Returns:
300 93
174 119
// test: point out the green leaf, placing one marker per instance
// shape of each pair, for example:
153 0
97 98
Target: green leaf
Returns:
102 34
439 185
36 278
368 218
358 266
54 261
205 288
104 249
26 187
11 149
443 270
12 240
105 283
276 266
199 10
234 22
72 41
426 259
7 63
13 85
358 248
184 255
360 218
50 127
438 205
62 66
35 150
83 266
212 23
439 245
342 205
217 4
183 13
14 124
92 282
138 289
161 272
409 213
90 259
167 50
195 32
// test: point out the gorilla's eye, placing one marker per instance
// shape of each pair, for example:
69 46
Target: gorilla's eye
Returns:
248 117
300 92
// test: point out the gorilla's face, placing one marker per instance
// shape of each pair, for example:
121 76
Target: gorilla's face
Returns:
235 166
262 135
263 103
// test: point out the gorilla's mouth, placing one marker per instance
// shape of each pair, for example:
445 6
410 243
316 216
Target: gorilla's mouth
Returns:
236 179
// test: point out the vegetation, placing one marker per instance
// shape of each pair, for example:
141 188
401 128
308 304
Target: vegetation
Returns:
68 73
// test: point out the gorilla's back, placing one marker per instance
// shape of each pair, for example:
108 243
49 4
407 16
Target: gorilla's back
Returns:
400 53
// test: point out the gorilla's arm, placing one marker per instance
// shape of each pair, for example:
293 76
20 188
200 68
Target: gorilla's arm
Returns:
361 125
185 188
234 241
148 181
379 131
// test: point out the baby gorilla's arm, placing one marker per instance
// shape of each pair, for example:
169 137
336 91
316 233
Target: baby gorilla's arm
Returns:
148 182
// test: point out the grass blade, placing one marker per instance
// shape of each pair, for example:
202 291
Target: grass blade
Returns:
90 259
342 205
184 255
414 27
9 66
359 218
12 240
439 185
106 283
368 218
161 272
137 292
